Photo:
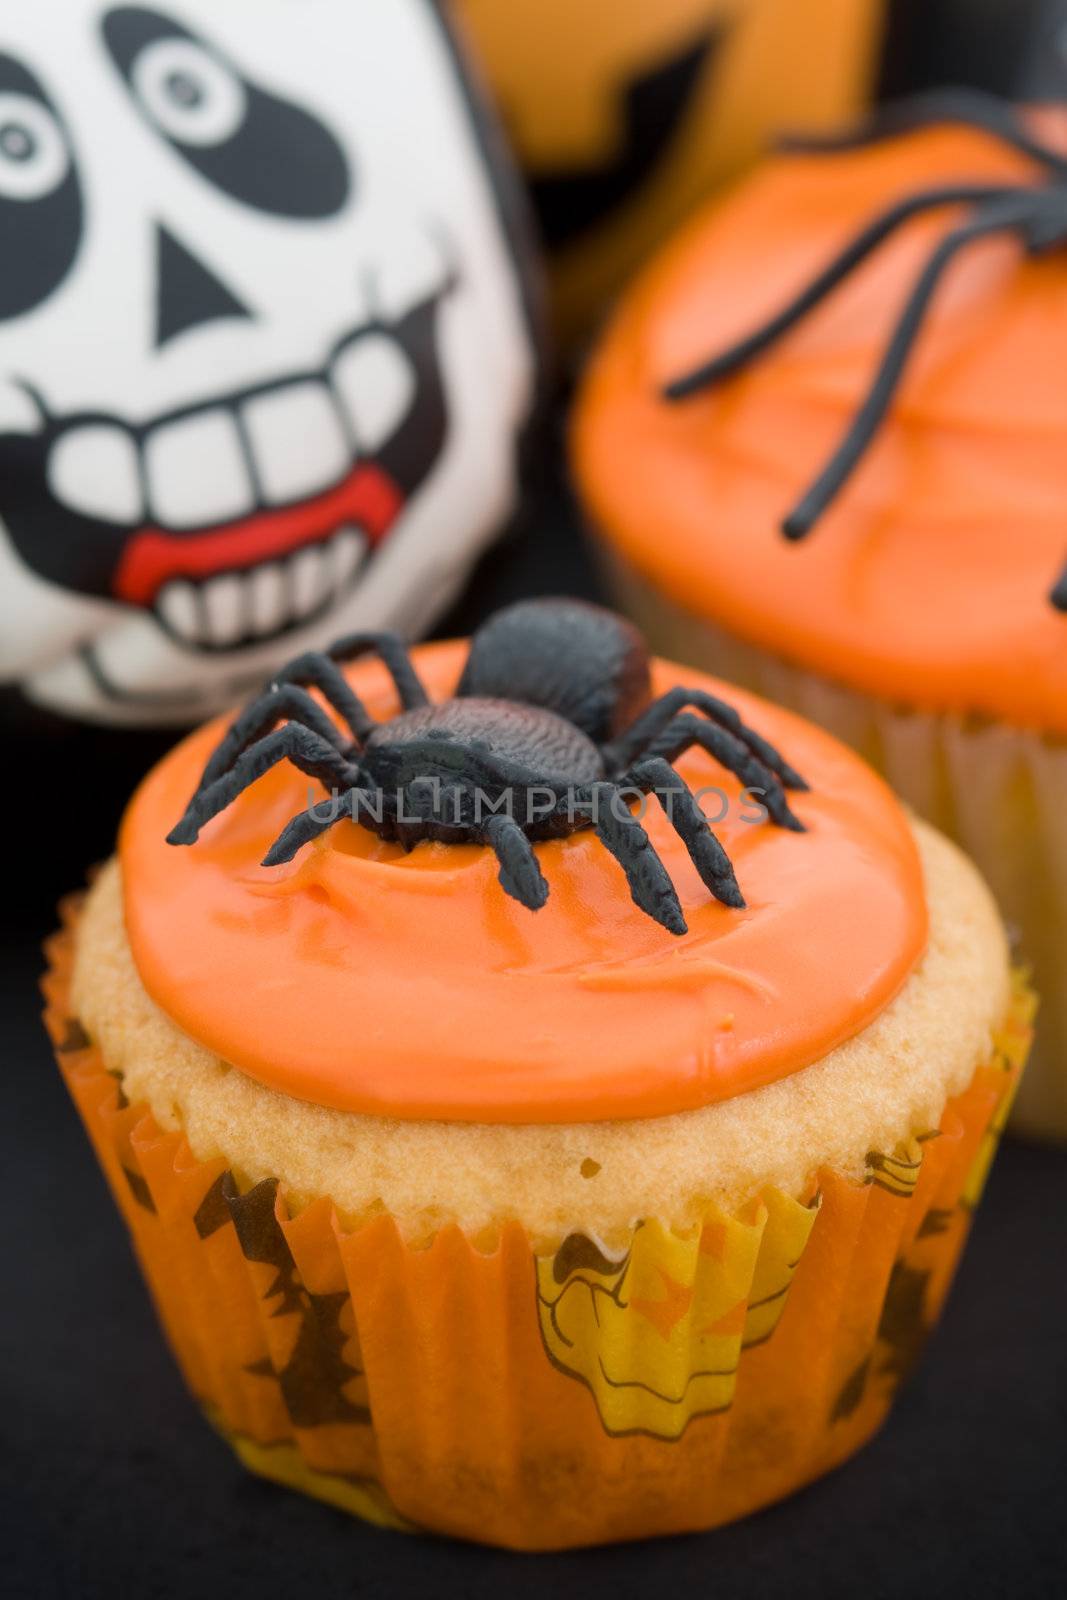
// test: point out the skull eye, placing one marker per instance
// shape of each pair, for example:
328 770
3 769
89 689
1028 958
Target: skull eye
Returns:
189 94
34 157
40 198
257 147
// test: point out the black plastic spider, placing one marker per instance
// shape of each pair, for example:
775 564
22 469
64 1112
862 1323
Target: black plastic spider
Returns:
549 724
1036 213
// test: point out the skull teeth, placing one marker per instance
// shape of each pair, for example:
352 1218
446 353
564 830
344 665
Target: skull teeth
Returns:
376 385
268 598
197 472
297 440
271 447
238 607
96 468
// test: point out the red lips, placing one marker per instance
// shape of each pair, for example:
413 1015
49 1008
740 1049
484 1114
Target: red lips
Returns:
368 497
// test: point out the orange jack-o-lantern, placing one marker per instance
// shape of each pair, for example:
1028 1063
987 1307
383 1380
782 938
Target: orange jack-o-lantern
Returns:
626 113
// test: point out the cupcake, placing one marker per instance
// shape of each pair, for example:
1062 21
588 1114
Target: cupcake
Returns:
822 445
584 1161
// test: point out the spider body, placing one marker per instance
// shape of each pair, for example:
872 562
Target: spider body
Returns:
495 731
549 731
440 770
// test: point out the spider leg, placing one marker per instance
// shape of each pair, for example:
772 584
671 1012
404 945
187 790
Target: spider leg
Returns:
639 738
687 730
392 652
824 283
317 670
649 881
306 826
656 776
520 875
1013 213
287 703
305 749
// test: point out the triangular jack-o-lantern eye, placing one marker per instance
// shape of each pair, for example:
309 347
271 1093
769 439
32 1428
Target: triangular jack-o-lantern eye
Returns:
1034 213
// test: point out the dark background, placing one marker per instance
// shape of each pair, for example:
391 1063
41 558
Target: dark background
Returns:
110 1483
1005 46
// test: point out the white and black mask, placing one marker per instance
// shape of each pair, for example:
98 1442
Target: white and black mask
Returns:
265 353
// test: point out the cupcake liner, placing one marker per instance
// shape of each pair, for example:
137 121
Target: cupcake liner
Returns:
998 791
543 1401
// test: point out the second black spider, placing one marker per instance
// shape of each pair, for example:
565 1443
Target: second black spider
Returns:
550 726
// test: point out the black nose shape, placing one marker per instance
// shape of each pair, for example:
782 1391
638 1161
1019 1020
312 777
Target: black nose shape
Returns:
187 293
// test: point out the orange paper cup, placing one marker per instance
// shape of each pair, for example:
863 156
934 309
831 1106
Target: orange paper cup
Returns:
544 1401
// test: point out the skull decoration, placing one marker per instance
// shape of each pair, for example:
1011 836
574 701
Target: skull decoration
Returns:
266 343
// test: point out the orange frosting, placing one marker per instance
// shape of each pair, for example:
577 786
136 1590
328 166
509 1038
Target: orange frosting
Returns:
412 986
928 580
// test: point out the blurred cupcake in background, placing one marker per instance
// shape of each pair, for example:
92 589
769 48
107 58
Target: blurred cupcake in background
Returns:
822 449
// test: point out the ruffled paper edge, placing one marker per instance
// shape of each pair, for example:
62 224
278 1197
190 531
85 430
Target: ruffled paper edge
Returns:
422 1387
